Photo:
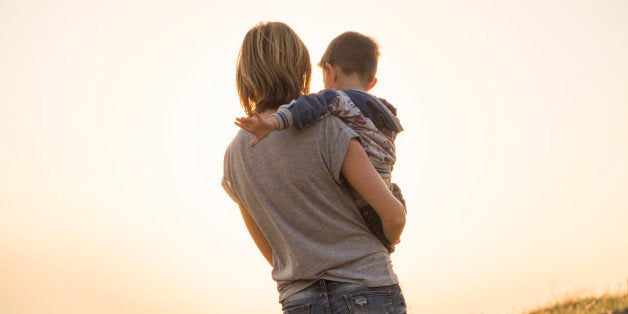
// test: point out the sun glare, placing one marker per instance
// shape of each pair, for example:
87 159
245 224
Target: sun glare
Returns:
114 118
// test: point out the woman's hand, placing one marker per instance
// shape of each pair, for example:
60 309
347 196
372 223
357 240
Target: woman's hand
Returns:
257 126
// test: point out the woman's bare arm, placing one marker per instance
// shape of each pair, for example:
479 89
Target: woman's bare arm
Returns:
257 235
358 170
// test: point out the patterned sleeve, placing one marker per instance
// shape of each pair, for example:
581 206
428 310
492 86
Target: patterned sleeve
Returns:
305 110
377 145
308 109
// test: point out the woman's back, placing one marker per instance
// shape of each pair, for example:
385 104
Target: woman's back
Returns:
292 187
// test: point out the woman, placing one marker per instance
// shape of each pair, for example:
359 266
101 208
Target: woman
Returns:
292 193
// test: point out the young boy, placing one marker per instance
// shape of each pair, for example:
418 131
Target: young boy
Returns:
349 65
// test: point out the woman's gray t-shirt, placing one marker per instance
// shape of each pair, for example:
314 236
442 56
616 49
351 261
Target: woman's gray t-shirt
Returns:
291 185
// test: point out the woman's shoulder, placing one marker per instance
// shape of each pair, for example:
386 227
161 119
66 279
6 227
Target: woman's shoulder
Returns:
239 140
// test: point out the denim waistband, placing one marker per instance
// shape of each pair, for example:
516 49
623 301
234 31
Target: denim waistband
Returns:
322 286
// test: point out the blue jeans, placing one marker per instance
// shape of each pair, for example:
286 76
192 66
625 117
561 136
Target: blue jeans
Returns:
330 297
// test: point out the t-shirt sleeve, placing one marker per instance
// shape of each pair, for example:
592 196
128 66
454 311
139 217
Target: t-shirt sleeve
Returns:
226 180
226 185
337 138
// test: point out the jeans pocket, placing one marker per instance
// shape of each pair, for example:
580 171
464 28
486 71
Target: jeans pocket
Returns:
368 301
298 308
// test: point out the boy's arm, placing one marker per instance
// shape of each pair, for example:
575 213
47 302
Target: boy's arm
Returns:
300 113
305 110
308 109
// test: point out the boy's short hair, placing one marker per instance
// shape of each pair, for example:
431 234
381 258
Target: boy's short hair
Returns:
353 53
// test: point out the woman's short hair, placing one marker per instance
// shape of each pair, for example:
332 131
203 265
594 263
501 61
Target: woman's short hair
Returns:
273 67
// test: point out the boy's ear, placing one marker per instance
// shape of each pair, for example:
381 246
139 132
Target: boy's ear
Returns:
329 76
370 85
331 72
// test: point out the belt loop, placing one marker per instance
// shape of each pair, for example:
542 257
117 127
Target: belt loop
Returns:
322 285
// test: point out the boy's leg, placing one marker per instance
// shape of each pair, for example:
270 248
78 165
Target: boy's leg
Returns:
372 220
374 223
396 191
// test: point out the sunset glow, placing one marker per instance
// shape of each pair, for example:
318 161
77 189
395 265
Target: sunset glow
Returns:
114 117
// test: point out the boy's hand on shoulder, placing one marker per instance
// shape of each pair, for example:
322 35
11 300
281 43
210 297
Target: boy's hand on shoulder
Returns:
257 126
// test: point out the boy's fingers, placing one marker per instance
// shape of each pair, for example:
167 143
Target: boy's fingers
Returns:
244 126
244 123
257 115
246 120
254 142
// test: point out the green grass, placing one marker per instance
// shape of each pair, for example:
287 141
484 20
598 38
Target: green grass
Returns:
607 303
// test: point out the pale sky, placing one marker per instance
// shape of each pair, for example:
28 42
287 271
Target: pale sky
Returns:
114 117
